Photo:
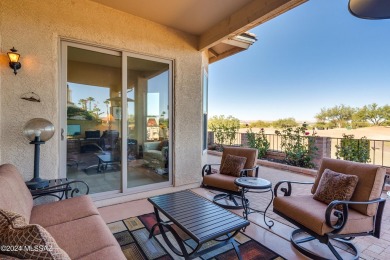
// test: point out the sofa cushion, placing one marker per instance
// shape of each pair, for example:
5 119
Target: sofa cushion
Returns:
335 186
82 237
369 187
232 165
311 213
63 211
14 195
221 181
15 231
249 153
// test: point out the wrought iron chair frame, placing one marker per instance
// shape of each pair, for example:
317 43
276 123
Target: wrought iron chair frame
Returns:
342 218
229 194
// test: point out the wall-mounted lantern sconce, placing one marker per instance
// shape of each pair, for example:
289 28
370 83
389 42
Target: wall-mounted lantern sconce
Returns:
14 60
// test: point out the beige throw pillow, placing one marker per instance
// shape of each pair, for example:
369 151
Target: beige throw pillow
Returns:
21 240
335 186
233 165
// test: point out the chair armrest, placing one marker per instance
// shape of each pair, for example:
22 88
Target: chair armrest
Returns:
287 191
244 172
342 216
206 170
63 188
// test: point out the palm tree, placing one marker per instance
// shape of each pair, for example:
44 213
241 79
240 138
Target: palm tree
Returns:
90 99
107 102
83 103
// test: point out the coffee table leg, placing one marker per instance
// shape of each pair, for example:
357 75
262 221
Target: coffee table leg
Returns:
161 225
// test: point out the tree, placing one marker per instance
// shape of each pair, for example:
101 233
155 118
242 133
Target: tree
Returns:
225 129
83 103
107 102
285 122
374 114
259 124
337 115
90 99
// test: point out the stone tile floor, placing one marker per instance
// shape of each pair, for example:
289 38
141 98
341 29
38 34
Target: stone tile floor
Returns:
369 246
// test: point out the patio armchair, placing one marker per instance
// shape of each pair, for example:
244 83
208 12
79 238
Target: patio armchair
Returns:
221 181
341 219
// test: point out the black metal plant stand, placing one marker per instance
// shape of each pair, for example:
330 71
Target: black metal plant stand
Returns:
37 182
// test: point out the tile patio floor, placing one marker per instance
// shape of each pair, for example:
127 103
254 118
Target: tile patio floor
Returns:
276 238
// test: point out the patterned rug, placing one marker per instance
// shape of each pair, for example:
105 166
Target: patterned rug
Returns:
132 235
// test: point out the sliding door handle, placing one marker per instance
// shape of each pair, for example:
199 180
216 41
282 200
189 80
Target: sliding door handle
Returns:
62 134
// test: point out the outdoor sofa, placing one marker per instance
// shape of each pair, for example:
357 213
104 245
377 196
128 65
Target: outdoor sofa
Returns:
75 224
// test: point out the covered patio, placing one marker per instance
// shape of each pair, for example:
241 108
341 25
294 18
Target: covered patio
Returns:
276 238
152 68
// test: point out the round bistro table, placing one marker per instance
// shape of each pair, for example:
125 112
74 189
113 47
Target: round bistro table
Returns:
254 185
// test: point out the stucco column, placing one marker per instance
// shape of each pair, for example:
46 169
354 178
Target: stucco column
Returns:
323 145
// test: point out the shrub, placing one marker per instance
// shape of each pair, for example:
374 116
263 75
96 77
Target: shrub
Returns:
258 141
356 150
299 147
284 123
225 129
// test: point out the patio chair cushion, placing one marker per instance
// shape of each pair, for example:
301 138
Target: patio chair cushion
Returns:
84 237
371 179
15 231
220 181
53 213
249 153
311 214
14 195
335 186
232 165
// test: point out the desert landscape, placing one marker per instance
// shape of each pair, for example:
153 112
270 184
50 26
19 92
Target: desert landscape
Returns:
379 136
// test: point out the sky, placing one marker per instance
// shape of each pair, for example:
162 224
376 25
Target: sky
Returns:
314 56
157 96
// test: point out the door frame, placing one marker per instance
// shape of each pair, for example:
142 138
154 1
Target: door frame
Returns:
64 43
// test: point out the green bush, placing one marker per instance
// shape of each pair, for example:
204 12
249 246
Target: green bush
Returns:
356 150
284 123
298 147
258 141
225 129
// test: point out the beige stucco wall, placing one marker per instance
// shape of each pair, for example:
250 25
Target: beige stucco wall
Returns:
35 28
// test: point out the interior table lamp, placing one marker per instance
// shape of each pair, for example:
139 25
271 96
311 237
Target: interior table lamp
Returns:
38 131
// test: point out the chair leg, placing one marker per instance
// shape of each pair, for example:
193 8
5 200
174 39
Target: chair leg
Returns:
296 243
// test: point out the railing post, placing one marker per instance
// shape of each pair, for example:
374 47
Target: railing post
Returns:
244 140
210 138
323 145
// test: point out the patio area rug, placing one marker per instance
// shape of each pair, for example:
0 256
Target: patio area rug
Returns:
132 235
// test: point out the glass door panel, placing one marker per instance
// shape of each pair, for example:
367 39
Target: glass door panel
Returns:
94 84
147 122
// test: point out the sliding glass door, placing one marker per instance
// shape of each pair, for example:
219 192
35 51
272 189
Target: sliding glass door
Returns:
115 120
148 121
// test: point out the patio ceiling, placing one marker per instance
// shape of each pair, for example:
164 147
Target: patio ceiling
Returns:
219 24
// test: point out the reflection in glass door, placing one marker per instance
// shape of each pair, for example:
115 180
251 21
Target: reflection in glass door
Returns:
94 118
147 122
117 119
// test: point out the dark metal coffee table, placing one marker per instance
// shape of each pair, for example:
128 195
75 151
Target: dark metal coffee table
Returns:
199 218
254 185
105 159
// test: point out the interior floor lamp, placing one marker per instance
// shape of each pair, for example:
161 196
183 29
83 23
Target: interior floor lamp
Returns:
38 131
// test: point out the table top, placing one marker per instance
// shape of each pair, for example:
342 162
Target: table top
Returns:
199 218
253 183
108 157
